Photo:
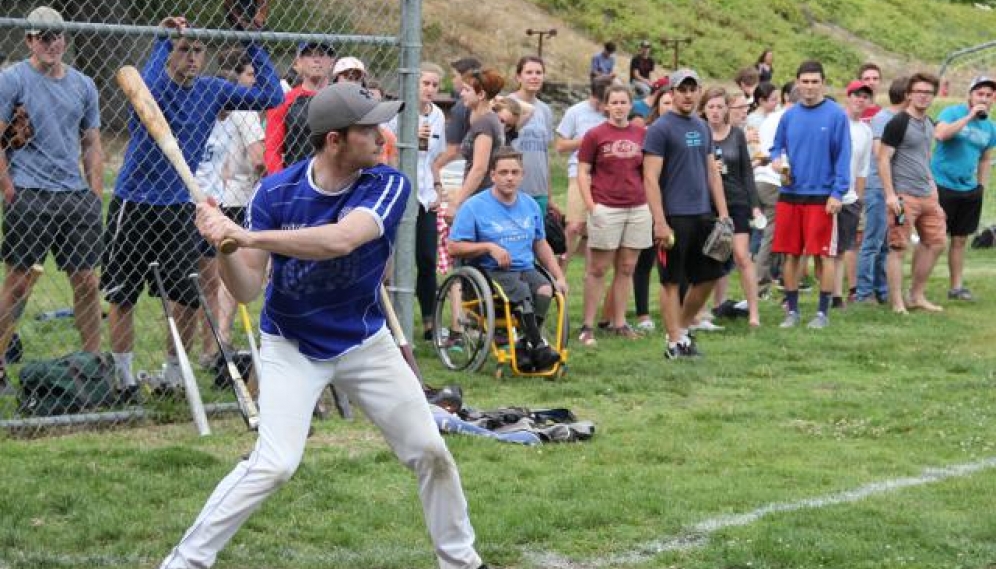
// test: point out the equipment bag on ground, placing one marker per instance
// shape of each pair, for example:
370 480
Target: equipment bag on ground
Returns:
80 381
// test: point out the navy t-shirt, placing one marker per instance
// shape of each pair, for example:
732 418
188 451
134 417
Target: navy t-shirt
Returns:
685 144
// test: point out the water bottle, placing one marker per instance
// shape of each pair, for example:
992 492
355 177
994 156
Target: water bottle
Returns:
901 216
718 155
55 314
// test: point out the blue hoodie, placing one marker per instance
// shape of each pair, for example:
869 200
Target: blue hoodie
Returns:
818 143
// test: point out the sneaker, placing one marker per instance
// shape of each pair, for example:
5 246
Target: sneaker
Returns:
645 326
454 342
706 326
625 331
544 357
791 320
523 356
587 337
682 350
960 294
819 322
172 376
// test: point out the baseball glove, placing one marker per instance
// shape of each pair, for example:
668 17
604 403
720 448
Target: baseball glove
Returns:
719 244
18 132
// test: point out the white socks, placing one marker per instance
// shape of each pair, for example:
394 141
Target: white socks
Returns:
122 363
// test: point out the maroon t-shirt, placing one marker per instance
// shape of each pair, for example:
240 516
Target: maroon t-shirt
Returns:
616 158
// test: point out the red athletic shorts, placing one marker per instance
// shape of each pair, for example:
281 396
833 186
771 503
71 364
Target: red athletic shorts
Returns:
804 229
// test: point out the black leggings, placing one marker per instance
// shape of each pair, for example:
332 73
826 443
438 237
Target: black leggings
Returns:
426 239
641 280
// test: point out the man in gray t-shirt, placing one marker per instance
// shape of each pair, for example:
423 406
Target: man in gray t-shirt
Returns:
911 195
48 204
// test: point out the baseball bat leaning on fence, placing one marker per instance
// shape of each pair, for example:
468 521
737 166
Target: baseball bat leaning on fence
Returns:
189 380
151 115
15 314
250 414
257 366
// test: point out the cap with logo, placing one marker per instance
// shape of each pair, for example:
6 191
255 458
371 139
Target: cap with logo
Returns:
981 81
348 64
341 105
856 85
660 84
43 15
682 75
644 43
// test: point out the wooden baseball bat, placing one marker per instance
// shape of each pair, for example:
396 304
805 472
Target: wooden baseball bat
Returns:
399 333
18 309
148 111
186 370
256 364
250 414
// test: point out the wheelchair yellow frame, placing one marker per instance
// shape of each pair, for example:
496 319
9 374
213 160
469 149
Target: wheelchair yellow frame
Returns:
505 355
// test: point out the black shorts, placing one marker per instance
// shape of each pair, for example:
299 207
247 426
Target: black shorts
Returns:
236 214
847 226
66 223
741 216
963 210
685 261
138 234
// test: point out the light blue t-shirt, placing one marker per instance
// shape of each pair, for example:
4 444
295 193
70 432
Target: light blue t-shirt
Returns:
60 110
577 120
877 125
955 161
328 307
484 219
534 143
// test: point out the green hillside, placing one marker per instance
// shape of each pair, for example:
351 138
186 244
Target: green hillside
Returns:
728 34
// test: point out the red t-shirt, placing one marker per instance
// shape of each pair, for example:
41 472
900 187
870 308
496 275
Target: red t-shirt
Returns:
616 158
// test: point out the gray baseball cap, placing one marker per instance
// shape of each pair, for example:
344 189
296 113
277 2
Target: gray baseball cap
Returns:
682 75
43 15
981 81
342 105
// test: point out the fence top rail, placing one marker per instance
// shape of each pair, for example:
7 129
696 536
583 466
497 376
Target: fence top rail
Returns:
198 33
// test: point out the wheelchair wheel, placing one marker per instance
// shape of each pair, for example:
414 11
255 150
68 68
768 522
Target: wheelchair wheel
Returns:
463 325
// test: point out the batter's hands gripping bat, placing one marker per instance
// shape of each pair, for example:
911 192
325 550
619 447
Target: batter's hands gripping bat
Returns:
189 381
250 414
257 366
15 313
151 115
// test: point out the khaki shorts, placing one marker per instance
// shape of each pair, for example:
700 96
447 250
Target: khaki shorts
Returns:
926 216
610 228
576 211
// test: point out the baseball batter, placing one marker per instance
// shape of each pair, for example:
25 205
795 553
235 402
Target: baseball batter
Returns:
327 226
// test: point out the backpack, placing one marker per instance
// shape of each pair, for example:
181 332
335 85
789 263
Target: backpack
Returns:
76 382
985 239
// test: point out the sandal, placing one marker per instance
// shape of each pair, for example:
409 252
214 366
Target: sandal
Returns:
587 337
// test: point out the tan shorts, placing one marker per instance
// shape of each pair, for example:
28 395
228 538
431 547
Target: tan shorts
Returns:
576 211
610 228
923 213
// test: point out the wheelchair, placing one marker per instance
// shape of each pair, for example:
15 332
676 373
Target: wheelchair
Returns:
474 317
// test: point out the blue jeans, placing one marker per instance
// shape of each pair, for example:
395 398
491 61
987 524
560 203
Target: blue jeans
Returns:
874 248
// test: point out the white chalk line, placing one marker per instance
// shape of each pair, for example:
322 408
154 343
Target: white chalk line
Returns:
698 535
694 537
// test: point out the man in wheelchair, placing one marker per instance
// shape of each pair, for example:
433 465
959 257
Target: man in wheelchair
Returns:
501 231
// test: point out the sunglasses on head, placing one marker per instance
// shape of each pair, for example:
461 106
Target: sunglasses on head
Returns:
48 37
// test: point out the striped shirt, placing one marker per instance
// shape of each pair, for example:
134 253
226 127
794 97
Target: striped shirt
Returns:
328 307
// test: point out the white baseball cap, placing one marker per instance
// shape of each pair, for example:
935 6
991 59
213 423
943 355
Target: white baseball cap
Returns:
43 15
347 64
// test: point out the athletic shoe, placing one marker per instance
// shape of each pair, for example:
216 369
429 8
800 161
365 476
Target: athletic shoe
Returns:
645 326
172 376
706 326
960 294
819 322
791 320
682 350
544 357
587 337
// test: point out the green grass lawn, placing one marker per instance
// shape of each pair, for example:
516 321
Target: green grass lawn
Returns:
697 465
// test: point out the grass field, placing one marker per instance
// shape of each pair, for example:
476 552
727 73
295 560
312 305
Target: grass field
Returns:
869 444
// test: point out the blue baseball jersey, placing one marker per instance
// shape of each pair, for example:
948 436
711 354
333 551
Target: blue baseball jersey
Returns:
516 227
146 175
328 307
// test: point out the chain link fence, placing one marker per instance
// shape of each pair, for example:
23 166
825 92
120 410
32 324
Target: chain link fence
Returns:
77 274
